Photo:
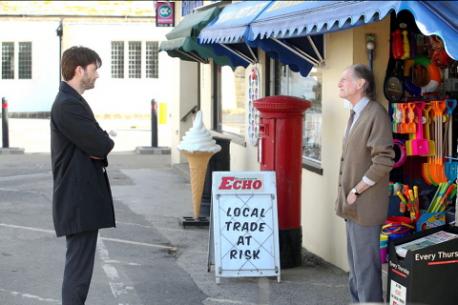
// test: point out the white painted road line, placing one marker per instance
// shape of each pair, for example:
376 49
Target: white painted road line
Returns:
226 301
26 228
136 243
122 241
27 176
117 287
134 224
114 261
30 296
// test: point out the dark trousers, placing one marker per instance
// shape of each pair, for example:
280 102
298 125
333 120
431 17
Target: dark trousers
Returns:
79 265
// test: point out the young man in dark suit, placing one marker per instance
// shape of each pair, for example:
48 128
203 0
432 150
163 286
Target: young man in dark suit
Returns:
82 201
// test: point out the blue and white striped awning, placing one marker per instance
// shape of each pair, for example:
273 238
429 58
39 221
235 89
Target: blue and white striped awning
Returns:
232 23
285 19
274 25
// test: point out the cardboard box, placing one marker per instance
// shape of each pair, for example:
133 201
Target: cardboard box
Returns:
428 275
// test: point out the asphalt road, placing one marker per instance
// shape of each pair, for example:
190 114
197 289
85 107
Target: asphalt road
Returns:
148 259
134 262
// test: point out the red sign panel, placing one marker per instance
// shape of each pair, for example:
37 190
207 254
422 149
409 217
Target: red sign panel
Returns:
165 13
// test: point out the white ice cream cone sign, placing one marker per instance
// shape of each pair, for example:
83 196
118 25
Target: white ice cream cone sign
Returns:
198 147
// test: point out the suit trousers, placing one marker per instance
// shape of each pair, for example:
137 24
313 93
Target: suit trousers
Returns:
363 250
79 265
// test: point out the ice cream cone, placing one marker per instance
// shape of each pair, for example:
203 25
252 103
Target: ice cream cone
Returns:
198 162
198 146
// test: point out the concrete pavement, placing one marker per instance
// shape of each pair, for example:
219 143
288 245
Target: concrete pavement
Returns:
148 259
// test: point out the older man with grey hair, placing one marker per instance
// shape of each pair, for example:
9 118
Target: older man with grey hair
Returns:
362 197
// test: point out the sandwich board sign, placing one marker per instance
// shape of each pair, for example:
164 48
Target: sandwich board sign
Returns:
244 225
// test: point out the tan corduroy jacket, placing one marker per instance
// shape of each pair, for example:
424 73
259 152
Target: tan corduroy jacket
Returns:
368 151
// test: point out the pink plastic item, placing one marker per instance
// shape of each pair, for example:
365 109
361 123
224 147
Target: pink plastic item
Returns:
419 146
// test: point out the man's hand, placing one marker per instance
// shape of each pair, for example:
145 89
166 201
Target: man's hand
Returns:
360 188
351 198
113 133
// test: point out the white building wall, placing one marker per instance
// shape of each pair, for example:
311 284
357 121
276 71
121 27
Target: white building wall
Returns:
126 95
112 98
186 95
36 94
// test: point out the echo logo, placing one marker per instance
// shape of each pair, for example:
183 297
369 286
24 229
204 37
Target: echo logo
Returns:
234 183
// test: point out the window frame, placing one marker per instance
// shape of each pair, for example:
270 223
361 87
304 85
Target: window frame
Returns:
151 59
22 62
217 108
117 64
272 88
12 58
140 61
134 59
25 58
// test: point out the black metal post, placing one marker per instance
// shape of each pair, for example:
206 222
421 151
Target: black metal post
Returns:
371 59
60 33
5 131
153 123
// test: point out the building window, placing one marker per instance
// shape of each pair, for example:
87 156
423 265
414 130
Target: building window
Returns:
7 60
231 100
135 59
291 83
25 60
152 59
117 59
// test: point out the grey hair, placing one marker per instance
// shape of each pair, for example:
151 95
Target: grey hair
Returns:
361 71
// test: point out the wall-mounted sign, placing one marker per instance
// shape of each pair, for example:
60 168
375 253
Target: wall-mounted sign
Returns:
165 13
253 113
245 225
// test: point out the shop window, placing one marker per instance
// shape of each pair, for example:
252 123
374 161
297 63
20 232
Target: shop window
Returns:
135 59
7 60
117 59
231 100
291 83
152 59
25 60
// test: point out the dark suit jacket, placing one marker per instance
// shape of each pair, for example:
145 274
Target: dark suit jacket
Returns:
82 198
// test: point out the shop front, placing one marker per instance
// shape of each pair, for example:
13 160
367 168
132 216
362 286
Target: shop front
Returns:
300 49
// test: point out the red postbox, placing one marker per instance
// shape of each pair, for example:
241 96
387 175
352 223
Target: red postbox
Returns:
280 150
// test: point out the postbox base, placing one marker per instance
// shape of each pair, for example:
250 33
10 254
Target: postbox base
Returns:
290 248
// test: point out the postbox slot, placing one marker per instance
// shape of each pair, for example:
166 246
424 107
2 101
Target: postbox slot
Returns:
267 146
263 130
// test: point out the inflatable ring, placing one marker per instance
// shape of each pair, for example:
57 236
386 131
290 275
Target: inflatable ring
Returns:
402 148
433 71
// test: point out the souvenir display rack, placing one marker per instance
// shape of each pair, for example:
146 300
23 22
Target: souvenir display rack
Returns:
421 85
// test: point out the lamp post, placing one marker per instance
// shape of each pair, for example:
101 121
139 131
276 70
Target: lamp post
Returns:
370 46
